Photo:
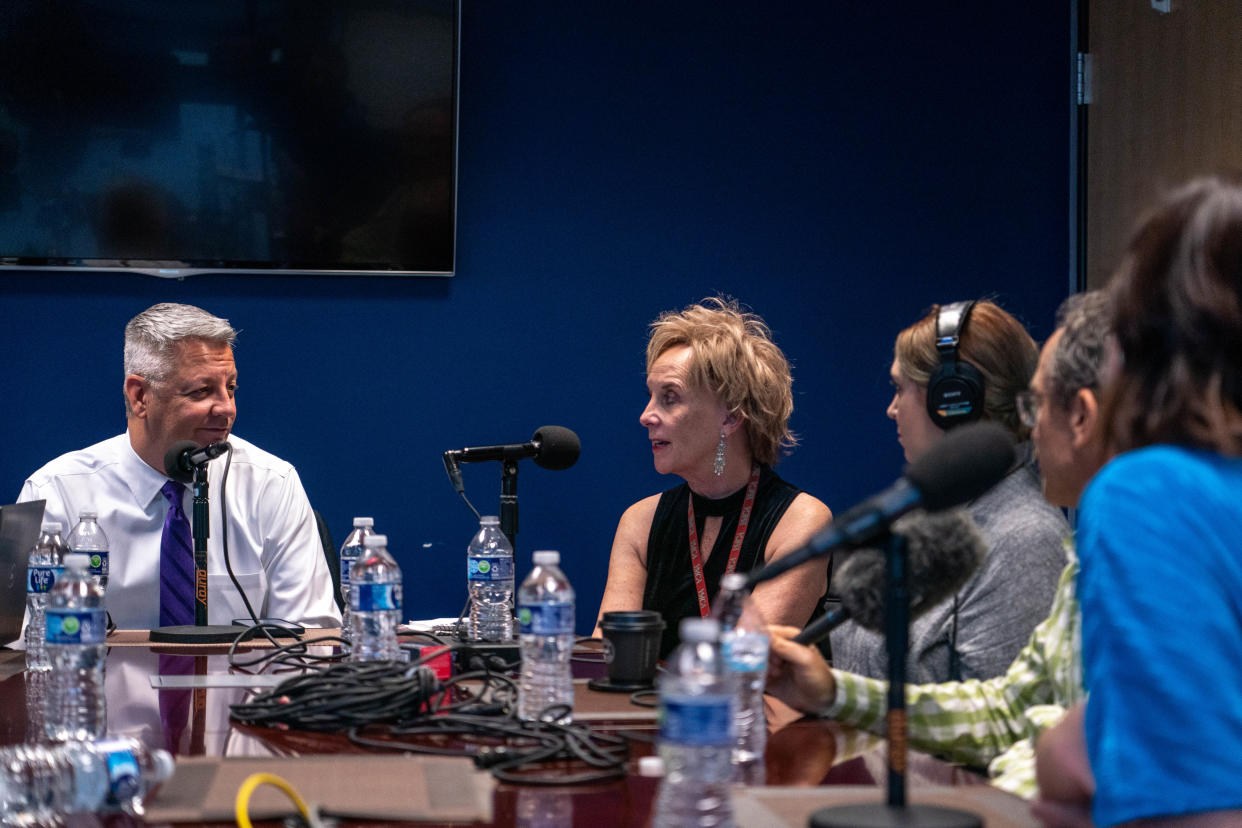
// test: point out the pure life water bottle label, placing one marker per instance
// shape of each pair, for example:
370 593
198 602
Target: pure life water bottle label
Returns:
550 618
76 626
490 568
39 579
374 597
705 721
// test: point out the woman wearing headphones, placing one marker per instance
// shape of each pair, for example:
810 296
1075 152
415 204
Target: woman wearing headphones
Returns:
965 362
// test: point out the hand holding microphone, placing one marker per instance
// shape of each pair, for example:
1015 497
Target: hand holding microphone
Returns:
943 551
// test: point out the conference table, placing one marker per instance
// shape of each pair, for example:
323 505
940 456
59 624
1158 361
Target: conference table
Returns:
810 763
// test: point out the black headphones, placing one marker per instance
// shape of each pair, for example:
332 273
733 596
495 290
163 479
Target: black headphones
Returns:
955 388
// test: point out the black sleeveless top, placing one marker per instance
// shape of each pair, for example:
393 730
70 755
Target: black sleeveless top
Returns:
670 582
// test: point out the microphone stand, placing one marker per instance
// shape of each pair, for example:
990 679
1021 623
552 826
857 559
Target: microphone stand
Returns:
509 502
202 528
201 632
895 812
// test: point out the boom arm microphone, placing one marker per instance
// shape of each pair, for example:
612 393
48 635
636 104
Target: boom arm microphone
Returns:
944 551
184 456
553 447
963 465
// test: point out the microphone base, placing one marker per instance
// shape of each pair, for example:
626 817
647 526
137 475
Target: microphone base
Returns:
192 634
879 815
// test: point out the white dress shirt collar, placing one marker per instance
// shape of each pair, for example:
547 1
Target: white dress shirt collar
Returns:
143 481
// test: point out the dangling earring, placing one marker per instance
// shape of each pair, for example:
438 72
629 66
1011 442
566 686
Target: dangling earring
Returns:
719 463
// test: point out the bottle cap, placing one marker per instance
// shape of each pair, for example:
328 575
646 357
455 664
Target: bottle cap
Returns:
83 515
734 582
650 766
76 560
164 765
699 629
51 527
359 522
489 520
375 540
547 557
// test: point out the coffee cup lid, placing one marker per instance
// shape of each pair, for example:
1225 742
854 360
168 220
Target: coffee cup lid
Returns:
632 620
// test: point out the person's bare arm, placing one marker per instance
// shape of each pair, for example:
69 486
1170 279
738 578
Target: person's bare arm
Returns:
791 598
627 566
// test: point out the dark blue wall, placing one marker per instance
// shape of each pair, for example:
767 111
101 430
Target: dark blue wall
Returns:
837 167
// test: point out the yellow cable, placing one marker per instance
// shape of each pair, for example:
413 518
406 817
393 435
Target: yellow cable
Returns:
241 805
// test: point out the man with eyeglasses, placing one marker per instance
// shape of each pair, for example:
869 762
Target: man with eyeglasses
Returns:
994 723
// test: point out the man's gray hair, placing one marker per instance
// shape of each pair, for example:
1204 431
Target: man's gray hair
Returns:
1085 322
152 336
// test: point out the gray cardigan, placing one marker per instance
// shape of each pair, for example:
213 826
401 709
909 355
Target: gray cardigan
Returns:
997 608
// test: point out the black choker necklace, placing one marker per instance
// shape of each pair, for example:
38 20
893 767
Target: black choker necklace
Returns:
727 505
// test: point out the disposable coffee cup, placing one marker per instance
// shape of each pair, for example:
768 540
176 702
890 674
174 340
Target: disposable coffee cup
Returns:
631 649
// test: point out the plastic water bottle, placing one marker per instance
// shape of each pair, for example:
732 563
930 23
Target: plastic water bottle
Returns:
41 782
76 629
546 638
89 539
744 644
697 731
353 547
489 571
36 704
46 563
375 603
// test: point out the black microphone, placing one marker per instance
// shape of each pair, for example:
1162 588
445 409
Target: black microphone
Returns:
552 447
964 464
184 456
943 551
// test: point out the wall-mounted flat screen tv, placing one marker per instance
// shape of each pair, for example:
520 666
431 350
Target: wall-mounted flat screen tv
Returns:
264 136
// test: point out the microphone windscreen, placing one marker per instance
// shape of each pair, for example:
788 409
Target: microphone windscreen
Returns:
963 465
558 447
172 461
943 550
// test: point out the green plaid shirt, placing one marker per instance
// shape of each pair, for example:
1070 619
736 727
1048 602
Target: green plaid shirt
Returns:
989 723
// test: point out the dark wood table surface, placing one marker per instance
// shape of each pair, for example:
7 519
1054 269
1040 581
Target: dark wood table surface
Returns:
801 752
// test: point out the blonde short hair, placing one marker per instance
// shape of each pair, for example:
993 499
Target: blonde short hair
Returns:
992 341
734 357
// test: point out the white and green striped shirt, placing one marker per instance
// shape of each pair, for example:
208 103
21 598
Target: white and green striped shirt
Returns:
993 722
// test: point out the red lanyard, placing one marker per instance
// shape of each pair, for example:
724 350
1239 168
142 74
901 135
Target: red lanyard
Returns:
696 560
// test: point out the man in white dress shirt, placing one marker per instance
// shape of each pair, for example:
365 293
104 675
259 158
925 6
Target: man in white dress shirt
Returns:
179 385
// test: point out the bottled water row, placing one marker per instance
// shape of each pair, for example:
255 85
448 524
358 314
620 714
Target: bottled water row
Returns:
67 626
371 587
81 771
47 562
712 726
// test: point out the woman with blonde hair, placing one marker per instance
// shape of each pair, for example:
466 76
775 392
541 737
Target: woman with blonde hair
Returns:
717 417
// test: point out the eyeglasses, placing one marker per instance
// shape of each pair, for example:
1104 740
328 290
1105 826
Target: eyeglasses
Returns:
1028 403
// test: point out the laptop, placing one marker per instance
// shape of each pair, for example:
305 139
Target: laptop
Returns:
19 529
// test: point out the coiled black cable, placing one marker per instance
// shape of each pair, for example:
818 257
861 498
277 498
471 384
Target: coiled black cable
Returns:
377 703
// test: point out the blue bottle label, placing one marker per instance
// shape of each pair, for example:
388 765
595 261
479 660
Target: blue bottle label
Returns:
546 618
701 721
83 626
124 775
490 568
39 578
374 597
99 562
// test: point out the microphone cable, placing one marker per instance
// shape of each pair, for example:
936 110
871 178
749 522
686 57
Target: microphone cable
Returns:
377 703
287 653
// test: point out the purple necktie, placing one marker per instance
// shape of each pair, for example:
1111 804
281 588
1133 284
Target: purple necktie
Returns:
175 704
176 561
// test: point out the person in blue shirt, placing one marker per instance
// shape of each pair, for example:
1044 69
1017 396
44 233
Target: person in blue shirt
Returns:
1160 539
